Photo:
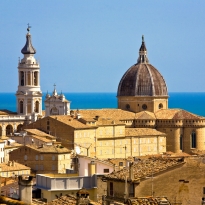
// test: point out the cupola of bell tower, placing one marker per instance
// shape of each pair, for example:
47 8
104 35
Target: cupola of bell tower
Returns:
29 95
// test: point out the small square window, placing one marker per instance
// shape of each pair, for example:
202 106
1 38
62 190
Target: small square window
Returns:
120 164
106 170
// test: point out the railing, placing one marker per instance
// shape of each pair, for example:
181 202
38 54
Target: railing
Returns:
14 117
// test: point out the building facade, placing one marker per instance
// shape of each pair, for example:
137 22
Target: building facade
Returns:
44 158
56 104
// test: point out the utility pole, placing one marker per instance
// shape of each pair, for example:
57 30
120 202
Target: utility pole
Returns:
125 193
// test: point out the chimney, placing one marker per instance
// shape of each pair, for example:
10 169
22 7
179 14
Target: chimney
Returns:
97 117
13 163
91 168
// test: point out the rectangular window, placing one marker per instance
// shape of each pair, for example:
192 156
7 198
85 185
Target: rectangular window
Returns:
120 150
53 167
100 152
135 149
106 170
36 166
53 157
203 190
41 157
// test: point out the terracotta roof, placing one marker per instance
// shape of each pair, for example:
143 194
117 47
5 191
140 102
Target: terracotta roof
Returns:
13 167
114 114
146 167
176 114
7 112
49 149
68 199
15 144
148 201
38 133
145 115
40 138
68 120
142 132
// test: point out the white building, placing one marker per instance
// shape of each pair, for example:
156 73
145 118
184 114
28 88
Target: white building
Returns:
29 95
56 104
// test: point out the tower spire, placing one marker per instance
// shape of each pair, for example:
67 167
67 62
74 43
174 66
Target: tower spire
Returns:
143 53
28 48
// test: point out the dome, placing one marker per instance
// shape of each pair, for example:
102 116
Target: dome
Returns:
142 79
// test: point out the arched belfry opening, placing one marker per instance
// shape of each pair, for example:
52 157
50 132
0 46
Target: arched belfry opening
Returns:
37 106
21 107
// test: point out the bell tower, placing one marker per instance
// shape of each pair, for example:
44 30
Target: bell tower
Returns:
29 95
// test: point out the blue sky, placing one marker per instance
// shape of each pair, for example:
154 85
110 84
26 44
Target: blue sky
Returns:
87 45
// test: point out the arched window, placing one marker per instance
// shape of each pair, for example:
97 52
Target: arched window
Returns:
127 106
21 106
144 106
35 78
19 127
181 142
54 111
9 129
36 106
22 78
160 106
193 139
29 78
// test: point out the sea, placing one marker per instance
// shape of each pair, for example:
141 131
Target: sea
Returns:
191 101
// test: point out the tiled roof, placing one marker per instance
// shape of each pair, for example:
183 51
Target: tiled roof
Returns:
148 201
15 144
176 114
14 166
145 115
40 138
115 114
68 199
38 133
68 120
49 149
142 132
7 112
146 167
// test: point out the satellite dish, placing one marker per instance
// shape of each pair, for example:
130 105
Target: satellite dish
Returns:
77 150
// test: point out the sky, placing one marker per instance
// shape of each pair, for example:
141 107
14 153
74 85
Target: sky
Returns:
87 45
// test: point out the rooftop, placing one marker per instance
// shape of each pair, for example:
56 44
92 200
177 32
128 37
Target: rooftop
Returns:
143 168
142 132
12 166
38 133
49 149
115 114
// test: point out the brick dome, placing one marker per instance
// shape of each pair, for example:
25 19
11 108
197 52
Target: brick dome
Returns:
142 79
